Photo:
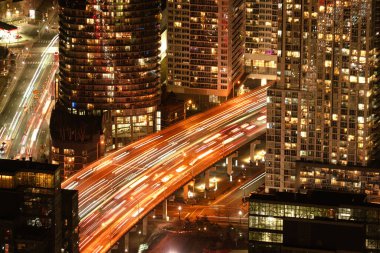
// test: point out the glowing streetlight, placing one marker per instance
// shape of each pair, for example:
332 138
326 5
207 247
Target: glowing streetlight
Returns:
179 212
240 214
185 105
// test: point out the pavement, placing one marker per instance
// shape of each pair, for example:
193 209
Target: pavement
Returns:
211 222
28 49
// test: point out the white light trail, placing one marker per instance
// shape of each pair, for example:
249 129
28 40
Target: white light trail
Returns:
212 138
256 179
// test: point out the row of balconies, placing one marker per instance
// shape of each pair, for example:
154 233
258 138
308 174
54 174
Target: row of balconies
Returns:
117 96
138 105
127 8
78 39
128 57
109 38
107 84
127 70
135 78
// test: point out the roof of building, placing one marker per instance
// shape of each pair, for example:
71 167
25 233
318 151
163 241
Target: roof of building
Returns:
6 26
73 4
73 128
13 166
315 197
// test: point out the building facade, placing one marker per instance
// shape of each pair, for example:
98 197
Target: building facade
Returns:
70 221
76 140
31 218
205 49
356 179
109 64
322 107
316 222
261 39
39 217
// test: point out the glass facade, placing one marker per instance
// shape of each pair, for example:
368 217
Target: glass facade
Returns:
267 218
109 63
321 108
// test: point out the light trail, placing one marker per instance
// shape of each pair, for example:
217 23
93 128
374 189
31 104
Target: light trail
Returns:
146 172
34 123
255 180
32 82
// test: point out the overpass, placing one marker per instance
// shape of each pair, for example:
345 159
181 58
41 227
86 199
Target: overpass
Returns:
118 190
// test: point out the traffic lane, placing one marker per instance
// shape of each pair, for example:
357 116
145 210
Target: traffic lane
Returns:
105 233
29 114
96 194
73 179
19 90
182 125
228 202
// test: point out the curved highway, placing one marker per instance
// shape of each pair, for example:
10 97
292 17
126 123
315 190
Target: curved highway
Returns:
119 189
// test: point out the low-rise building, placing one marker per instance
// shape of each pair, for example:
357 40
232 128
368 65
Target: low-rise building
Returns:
317 221
31 214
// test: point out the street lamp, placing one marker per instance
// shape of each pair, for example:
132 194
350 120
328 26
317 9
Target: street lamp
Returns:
179 212
240 214
187 103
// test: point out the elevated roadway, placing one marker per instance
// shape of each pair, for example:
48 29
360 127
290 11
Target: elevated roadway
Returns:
121 188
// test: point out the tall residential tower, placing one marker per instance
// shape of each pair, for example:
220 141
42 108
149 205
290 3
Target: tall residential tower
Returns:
109 64
261 39
322 108
205 48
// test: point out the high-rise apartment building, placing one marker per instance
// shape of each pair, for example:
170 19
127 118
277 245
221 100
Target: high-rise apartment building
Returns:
322 107
261 39
205 48
109 64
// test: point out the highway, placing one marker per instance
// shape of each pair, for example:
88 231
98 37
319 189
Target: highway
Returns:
119 189
226 207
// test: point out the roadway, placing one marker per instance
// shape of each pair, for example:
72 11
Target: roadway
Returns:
121 188
28 99
226 210
22 116
227 206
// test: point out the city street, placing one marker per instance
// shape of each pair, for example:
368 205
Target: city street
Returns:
226 212
26 98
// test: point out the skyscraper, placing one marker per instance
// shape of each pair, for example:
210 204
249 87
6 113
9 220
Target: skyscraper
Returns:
109 64
261 39
322 107
205 48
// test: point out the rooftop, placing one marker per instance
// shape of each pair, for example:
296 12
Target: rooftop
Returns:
73 4
13 166
315 197
74 128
